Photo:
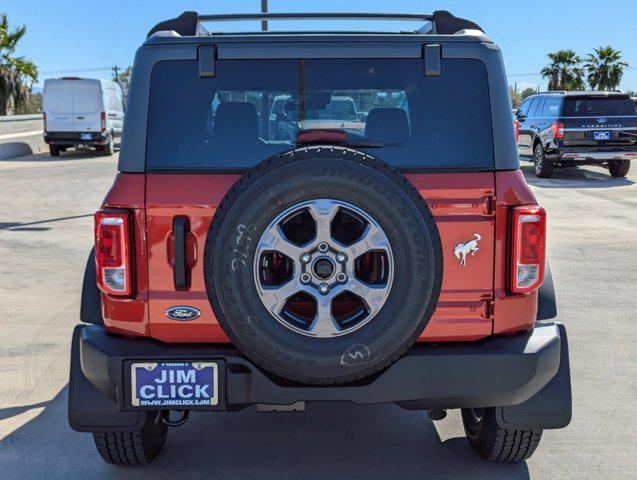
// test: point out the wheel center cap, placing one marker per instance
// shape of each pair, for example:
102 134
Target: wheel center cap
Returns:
323 268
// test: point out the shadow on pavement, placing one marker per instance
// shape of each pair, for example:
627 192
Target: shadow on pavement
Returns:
575 177
26 226
45 157
327 441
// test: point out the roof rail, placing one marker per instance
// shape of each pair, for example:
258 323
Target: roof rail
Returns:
440 22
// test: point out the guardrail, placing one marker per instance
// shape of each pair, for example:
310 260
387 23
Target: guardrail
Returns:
21 135
18 118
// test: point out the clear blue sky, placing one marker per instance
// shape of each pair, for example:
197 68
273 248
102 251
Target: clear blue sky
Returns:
65 36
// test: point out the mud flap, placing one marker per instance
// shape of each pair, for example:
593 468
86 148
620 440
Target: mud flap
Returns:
89 409
550 408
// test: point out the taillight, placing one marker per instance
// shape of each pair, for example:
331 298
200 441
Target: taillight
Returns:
558 129
528 248
103 120
516 124
113 252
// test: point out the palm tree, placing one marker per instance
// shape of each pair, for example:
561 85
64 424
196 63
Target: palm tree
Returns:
564 71
14 71
604 68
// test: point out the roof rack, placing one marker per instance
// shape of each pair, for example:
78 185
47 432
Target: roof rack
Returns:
440 22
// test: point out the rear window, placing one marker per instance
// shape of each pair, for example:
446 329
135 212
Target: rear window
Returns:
595 106
251 110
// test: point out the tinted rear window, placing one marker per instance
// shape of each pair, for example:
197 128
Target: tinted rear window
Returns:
251 110
592 106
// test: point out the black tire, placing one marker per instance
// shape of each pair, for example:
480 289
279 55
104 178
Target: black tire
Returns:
54 150
286 180
541 166
109 148
619 168
133 448
494 443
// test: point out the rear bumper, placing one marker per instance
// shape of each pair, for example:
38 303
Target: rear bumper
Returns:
73 138
499 371
593 156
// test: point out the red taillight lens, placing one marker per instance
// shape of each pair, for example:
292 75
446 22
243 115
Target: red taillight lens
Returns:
528 248
516 124
558 129
113 252
103 120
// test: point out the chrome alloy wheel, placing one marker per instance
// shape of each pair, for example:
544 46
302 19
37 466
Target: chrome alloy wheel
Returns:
323 268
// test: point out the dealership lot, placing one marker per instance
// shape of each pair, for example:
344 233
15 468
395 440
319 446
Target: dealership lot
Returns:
45 236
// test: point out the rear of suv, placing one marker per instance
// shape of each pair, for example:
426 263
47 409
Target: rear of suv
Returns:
259 246
567 129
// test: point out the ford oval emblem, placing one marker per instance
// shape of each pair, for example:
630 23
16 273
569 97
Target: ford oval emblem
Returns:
601 120
182 313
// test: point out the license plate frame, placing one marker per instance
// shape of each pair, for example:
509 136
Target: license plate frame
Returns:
212 374
601 135
86 136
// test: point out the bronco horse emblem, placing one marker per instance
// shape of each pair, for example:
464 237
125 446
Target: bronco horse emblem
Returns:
463 249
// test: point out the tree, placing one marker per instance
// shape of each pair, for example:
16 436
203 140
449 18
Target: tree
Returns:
564 72
123 79
15 72
605 70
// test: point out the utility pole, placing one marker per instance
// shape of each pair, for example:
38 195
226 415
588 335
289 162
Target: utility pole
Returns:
116 73
264 9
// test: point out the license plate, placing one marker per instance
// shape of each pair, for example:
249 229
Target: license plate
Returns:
85 136
175 384
601 135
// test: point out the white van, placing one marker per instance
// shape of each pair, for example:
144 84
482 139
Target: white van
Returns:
82 111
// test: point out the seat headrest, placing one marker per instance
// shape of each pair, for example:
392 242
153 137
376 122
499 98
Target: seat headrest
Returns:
387 125
236 122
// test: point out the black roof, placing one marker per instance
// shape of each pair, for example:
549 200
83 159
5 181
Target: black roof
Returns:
579 93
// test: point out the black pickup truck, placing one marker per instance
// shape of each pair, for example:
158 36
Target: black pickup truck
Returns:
565 129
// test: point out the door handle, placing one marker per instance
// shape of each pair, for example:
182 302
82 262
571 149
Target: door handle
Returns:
181 272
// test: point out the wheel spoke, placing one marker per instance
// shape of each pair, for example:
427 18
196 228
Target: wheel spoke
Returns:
324 324
374 296
323 212
274 297
373 238
274 239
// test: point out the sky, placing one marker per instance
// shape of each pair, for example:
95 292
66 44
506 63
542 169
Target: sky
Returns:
87 38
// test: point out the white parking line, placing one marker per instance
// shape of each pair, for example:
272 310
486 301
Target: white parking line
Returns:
30 133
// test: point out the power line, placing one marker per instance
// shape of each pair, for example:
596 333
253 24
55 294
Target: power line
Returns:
75 70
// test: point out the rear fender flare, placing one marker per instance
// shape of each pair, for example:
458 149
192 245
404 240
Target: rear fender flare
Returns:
546 303
91 303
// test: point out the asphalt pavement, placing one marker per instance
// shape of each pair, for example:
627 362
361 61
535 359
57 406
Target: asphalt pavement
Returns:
45 236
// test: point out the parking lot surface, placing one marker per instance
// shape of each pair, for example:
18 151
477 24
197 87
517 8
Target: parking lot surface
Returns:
45 236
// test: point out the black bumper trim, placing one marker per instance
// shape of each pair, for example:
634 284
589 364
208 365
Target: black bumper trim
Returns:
73 138
496 371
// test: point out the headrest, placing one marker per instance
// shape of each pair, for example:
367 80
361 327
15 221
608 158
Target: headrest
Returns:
236 122
388 125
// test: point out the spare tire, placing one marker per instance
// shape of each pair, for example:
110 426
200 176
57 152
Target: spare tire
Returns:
323 265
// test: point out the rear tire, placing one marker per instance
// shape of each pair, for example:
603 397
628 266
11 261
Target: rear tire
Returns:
619 168
542 167
109 148
495 443
54 150
133 448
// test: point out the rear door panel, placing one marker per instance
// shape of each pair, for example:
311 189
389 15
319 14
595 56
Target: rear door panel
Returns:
461 203
87 105
58 105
